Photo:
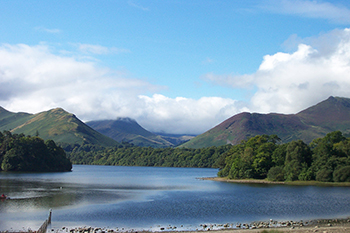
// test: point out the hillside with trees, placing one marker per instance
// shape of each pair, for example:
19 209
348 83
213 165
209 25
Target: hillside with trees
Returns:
31 154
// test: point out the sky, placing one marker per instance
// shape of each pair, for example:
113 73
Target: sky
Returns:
175 66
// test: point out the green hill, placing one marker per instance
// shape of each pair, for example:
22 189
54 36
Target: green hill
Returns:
330 115
128 130
56 124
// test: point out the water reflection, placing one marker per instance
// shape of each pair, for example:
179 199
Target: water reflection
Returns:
143 197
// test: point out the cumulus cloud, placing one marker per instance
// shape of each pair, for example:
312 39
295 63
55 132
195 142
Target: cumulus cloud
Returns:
310 9
34 79
290 82
196 115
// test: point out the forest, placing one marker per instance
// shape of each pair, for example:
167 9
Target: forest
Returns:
129 155
31 154
325 159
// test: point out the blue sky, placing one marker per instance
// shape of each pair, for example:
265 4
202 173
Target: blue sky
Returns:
175 66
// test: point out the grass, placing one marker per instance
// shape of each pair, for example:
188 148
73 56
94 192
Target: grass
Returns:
318 183
300 183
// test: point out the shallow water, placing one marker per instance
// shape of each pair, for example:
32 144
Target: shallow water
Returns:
151 197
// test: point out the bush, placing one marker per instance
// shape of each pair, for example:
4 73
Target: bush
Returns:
342 174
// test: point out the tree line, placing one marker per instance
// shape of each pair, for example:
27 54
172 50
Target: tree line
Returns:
25 153
325 159
129 155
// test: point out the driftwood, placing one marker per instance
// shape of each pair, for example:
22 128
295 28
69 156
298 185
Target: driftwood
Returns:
43 227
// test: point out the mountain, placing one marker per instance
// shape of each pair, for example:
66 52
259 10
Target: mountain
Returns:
314 122
55 124
128 130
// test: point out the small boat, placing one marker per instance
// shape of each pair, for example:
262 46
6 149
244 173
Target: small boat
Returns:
3 196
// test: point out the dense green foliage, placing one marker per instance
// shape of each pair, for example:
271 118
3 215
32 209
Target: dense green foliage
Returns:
128 155
26 153
326 159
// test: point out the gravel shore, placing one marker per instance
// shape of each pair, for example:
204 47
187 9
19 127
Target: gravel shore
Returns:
321 226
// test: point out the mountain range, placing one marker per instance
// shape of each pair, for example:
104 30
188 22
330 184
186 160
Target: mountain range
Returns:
66 129
329 115
125 129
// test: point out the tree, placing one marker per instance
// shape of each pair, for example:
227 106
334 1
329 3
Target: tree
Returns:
298 160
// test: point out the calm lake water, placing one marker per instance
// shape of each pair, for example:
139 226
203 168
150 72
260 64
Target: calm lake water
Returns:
151 197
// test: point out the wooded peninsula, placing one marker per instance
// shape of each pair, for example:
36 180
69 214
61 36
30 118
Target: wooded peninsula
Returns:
31 154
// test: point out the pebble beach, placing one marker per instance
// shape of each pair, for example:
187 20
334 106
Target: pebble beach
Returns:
322 226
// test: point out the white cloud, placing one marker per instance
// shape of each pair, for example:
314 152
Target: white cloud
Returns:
290 82
184 115
98 49
310 9
138 6
236 81
208 61
33 79
52 30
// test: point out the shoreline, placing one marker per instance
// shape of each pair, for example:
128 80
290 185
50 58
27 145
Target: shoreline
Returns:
242 181
256 181
336 225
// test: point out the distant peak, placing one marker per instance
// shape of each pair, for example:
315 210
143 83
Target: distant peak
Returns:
126 119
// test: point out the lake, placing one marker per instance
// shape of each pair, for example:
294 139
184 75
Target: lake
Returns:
153 197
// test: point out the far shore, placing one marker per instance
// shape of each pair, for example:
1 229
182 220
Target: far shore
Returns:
256 181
